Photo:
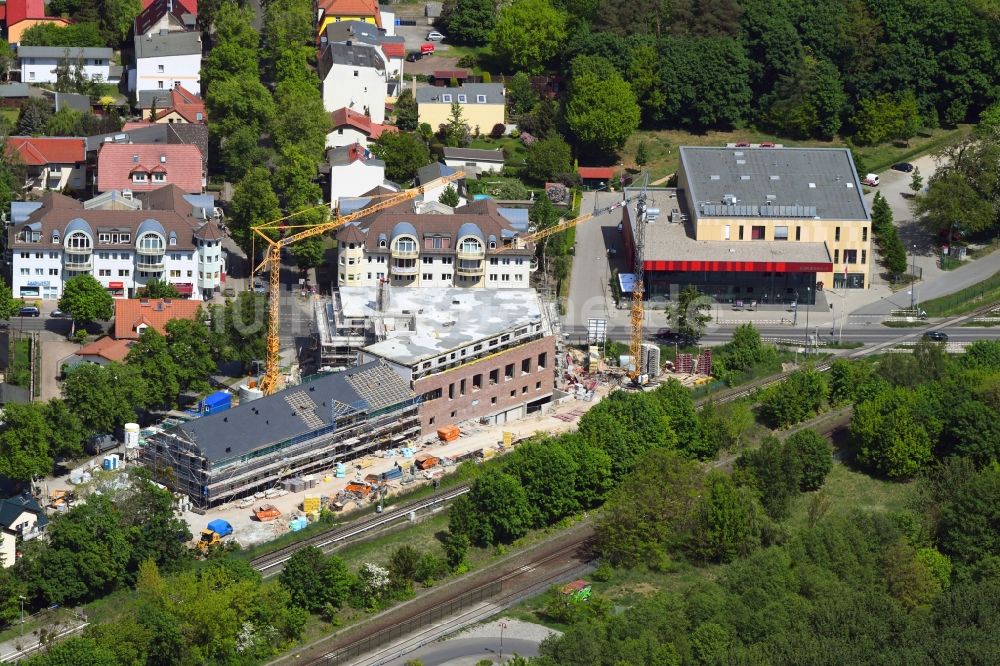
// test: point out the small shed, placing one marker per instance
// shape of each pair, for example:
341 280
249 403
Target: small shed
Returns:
442 77
596 177
432 11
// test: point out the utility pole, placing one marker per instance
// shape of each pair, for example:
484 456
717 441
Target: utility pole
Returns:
808 296
913 275
503 625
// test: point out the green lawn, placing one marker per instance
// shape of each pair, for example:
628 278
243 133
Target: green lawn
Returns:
965 300
663 157
10 115
514 150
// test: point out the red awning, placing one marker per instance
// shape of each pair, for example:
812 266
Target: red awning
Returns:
184 288
116 285
739 266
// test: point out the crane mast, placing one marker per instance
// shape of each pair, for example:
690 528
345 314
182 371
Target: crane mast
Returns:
638 311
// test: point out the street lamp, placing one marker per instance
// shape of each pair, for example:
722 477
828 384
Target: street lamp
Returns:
22 598
808 296
503 625
913 274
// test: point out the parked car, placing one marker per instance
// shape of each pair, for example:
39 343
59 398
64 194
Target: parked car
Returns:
871 180
905 167
29 312
98 444
414 56
57 314
671 338
936 336
229 292
434 36
258 287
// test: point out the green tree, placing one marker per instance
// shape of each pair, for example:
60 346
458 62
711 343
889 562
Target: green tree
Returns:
239 102
467 22
403 564
235 53
402 153
50 34
642 154
303 121
65 122
86 300
775 470
886 117
654 509
254 203
703 82
951 199
104 397
815 456
151 356
190 346
24 443
547 472
302 576
449 197
732 520
455 133
676 402
116 19
309 253
406 111
528 34
908 579
889 436
456 547
521 95
240 151
67 431
970 513
690 314
625 426
602 111
33 118
789 402
916 180
724 426
7 59
503 506
549 159
155 288
808 102
8 304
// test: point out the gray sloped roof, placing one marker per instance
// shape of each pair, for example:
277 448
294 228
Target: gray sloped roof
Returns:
819 183
71 52
432 94
475 154
355 55
252 425
156 45
74 101
12 507
18 90
429 172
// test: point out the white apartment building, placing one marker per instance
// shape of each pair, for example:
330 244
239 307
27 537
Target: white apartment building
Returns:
123 249
166 59
354 77
38 63
353 171
463 249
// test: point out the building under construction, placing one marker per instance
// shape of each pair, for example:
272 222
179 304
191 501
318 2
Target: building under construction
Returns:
304 429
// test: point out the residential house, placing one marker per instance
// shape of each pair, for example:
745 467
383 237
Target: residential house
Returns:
19 15
482 104
102 351
174 237
153 133
135 315
473 161
21 518
353 171
427 174
472 247
393 47
351 127
177 105
367 11
54 163
38 63
141 168
166 48
354 77
169 15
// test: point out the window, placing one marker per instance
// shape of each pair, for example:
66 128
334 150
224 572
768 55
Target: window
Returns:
513 393
836 256
160 178
541 360
53 271
493 400
26 255
406 245
798 233
781 233
524 389
461 387
190 273
355 72
836 233
505 277
159 68
508 372
104 272
525 366
864 256
25 271
432 395
39 255
850 256
493 277
39 271
159 84
446 261
538 386
78 241
864 234
477 381
470 246
725 232
481 99
175 274
741 232
138 177
757 232
431 422
123 272
427 260
494 376
451 391
446 98
462 99
446 276
31 76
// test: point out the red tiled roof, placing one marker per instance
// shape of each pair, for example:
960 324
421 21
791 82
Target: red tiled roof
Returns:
394 49
130 313
3 12
154 10
192 5
22 10
39 151
134 125
116 161
351 8
596 173
107 348
360 122
187 105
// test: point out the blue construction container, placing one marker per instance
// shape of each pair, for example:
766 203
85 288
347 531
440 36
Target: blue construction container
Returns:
392 474
219 401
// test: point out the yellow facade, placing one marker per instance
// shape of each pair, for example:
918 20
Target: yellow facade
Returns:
329 20
483 116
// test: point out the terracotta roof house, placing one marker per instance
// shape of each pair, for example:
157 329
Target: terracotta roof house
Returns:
172 15
177 105
105 350
54 163
336 11
351 127
134 315
148 167
20 15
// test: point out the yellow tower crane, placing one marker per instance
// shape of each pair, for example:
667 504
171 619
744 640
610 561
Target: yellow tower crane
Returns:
271 381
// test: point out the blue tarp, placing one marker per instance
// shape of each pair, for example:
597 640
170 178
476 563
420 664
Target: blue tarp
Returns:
220 527
216 402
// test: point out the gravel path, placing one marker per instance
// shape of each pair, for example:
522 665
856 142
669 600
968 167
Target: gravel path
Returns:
528 631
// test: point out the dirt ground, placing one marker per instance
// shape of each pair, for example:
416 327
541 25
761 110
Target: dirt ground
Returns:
248 532
53 351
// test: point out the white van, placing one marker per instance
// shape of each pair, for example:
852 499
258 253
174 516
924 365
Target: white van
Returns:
871 180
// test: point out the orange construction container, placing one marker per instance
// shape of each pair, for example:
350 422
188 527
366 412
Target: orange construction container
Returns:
426 462
362 489
448 433
266 512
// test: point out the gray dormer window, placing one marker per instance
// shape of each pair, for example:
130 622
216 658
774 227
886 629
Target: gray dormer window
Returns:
462 99
481 99
446 98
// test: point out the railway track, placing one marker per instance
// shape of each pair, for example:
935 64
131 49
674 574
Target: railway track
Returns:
524 574
271 563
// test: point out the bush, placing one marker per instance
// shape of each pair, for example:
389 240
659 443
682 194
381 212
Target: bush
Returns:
498 131
816 456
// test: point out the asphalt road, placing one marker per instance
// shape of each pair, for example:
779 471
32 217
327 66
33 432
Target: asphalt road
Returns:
467 651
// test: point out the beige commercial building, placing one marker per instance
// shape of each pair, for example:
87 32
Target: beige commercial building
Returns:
752 223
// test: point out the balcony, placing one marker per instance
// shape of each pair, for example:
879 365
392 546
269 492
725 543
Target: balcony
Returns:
396 253
403 270
473 256
472 268
78 263
150 251
150 267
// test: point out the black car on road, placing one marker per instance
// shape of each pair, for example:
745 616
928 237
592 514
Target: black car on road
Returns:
905 167
29 312
936 336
